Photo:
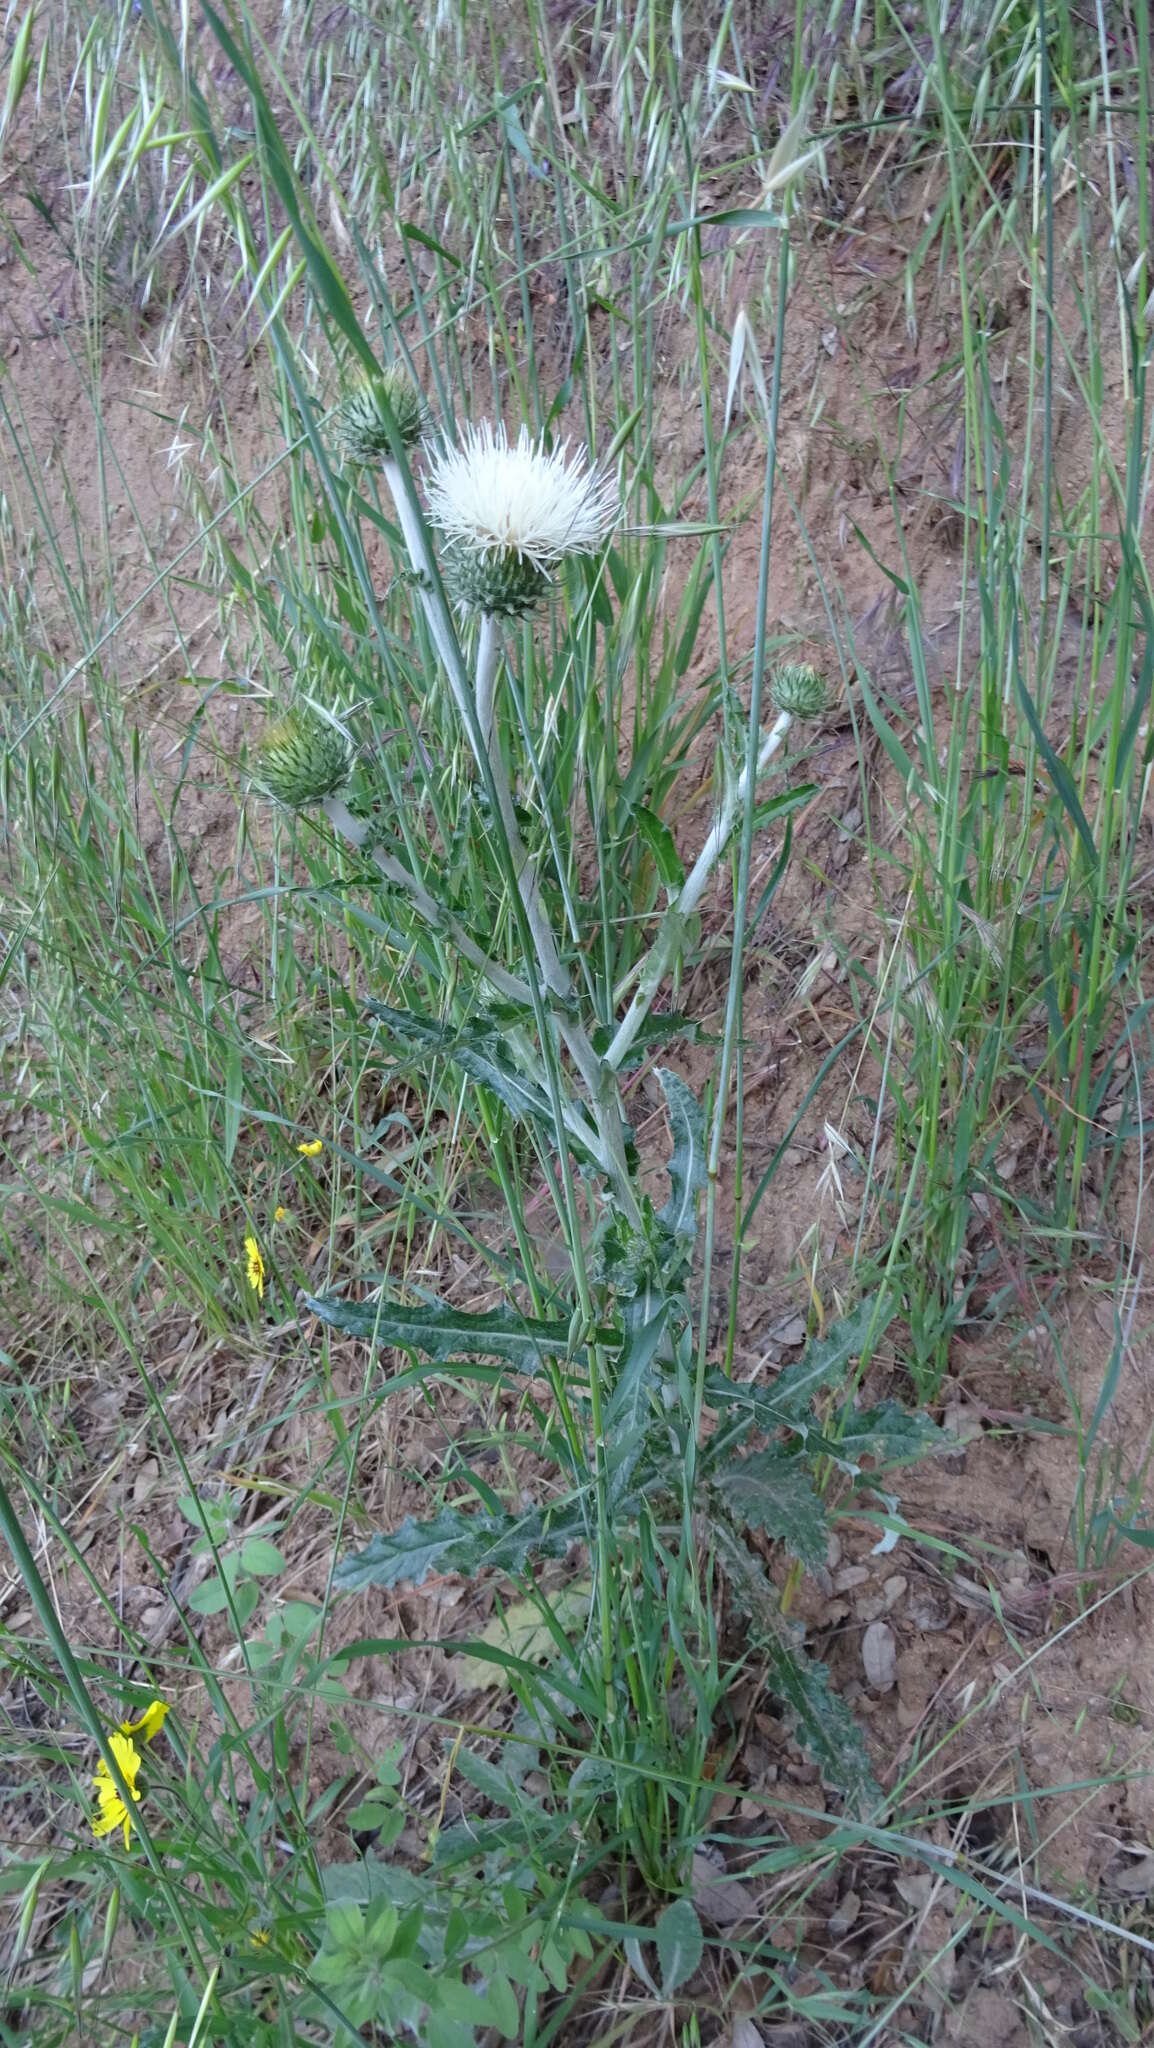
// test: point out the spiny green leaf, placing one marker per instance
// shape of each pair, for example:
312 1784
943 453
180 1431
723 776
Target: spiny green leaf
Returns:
442 1332
451 1541
627 1414
819 1717
889 1434
771 1490
662 845
821 1721
478 1050
659 1028
828 1355
687 1164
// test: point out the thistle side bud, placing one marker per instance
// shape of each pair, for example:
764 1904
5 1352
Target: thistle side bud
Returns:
361 417
302 759
799 690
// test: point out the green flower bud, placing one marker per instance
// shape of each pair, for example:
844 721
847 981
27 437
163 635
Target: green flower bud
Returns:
798 689
302 759
361 417
494 580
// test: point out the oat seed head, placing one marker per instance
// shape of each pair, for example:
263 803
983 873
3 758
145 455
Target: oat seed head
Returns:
519 501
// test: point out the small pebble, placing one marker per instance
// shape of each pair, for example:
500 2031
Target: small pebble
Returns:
879 1656
850 1575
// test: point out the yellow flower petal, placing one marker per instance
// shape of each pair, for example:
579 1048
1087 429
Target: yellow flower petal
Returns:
279 1213
150 1723
255 1266
113 1811
311 1147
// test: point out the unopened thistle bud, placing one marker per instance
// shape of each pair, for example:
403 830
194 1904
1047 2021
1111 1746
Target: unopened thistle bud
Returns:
302 759
798 689
510 515
362 416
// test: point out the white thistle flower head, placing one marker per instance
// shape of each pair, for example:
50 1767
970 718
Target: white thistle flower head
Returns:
510 514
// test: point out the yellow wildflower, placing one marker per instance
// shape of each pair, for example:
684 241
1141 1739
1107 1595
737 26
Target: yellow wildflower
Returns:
255 1266
113 1812
311 1147
279 1213
150 1723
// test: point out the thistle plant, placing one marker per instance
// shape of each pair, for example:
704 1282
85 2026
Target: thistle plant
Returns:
507 517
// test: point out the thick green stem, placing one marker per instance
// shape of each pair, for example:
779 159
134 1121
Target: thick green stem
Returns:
597 1076
444 639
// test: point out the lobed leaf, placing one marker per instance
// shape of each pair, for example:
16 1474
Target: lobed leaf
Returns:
478 1050
818 1716
451 1541
629 1409
771 1490
441 1332
826 1357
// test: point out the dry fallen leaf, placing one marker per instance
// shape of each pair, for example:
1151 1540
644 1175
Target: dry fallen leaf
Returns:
718 1896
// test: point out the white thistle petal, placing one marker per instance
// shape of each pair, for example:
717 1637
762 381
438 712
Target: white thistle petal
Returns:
519 500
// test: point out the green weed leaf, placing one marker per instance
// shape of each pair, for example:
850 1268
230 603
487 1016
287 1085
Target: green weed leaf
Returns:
818 1716
680 1945
261 1558
821 1721
771 1490
452 1541
627 1416
827 1356
687 1163
889 1434
478 1050
660 841
441 1332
